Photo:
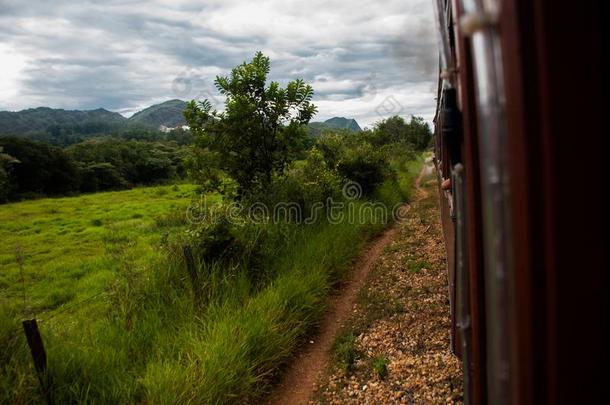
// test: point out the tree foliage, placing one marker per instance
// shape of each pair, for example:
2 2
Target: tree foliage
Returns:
135 162
355 158
415 133
258 133
6 161
42 168
29 168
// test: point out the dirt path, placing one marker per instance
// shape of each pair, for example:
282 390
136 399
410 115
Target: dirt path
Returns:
298 384
397 345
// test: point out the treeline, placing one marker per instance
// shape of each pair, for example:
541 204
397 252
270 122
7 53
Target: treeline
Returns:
30 169
67 135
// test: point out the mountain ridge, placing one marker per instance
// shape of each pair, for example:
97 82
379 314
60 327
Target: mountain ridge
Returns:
62 126
167 114
316 128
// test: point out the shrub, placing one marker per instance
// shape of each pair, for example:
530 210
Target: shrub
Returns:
224 235
354 158
304 183
331 145
365 166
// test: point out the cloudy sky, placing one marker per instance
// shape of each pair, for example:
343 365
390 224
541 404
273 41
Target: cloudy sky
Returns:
365 59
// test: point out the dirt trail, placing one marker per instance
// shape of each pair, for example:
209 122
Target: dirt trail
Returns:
400 322
298 384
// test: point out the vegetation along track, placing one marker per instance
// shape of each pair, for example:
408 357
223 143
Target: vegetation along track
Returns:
299 382
395 346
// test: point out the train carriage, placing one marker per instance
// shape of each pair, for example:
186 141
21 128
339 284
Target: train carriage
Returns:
520 156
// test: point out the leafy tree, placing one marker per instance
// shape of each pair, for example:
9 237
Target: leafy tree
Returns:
6 161
101 176
42 168
354 158
260 131
390 130
180 136
419 133
136 162
415 133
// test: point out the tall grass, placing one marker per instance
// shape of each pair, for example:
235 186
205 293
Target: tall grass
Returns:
160 339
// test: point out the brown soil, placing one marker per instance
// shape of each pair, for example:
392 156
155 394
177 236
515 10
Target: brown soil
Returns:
401 319
298 383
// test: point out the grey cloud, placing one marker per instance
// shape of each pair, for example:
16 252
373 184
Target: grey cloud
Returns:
121 55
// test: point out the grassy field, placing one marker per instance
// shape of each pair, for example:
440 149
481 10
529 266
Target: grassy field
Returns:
56 251
151 338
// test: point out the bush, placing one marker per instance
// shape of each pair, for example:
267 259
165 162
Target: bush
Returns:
225 235
304 183
332 145
354 158
365 166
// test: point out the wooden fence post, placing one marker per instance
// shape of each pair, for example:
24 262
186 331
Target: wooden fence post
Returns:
192 270
32 334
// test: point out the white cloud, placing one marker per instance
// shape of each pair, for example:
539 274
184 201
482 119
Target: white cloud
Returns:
123 55
11 68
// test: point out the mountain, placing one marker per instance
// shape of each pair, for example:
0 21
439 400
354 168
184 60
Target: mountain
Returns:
167 114
65 127
45 119
343 123
350 124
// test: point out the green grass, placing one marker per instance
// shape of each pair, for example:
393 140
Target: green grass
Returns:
380 366
345 352
149 339
67 246
417 266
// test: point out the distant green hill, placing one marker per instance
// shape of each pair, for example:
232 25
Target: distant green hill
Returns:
45 119
350 124
65 127
168 114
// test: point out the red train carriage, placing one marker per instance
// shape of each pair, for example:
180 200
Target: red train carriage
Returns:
521 158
